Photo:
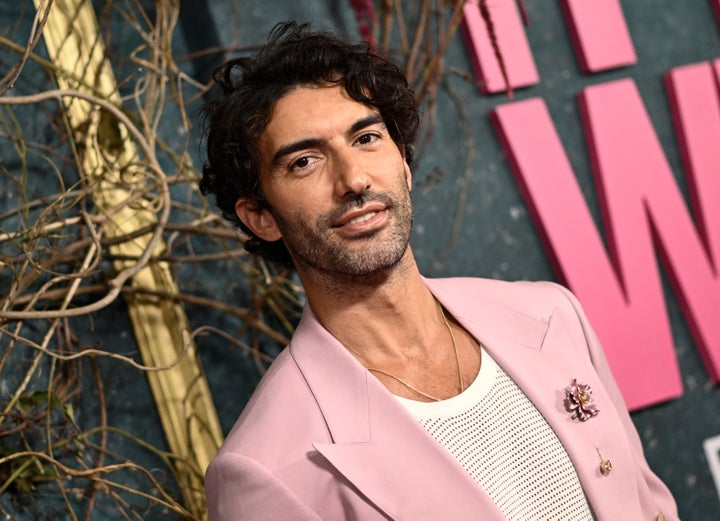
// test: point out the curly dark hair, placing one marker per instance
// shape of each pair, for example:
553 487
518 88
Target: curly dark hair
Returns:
293 56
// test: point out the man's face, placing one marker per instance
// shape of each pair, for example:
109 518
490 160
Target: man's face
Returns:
337 185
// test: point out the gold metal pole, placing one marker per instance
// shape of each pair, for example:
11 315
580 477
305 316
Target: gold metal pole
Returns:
110 166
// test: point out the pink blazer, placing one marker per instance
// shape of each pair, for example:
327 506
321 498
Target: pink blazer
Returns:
322 439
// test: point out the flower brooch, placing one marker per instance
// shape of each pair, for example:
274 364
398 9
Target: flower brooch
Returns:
578 400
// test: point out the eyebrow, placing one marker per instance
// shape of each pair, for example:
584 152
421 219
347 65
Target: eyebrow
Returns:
291 148
372 119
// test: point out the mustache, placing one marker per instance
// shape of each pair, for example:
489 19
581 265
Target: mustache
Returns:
353 201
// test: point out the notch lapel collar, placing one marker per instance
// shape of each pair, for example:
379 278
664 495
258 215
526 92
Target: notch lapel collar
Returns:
542 355
376 444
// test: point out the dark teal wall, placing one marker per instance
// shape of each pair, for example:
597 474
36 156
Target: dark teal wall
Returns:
495 237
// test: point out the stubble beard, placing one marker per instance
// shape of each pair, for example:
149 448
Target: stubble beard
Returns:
317 248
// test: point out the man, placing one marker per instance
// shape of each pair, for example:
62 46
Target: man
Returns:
399 397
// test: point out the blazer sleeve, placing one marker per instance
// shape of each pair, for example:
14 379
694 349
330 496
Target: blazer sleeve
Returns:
660 495
240 489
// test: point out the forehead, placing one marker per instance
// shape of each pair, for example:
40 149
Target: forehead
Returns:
311 112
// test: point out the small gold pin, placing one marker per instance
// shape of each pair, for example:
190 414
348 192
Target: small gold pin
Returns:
605 464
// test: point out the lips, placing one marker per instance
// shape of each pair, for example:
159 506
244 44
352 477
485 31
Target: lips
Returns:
360 215
362 218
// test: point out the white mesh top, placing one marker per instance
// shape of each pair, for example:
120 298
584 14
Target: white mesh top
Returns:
500 438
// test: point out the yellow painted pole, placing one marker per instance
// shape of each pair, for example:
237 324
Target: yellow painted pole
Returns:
112 171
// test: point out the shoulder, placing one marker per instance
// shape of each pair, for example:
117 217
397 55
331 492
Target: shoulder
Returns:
506 306
536 298
267 467
260 469
281 401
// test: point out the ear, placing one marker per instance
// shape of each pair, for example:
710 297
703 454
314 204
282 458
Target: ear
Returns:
258 219
406 168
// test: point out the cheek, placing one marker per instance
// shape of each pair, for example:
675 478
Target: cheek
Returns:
298 202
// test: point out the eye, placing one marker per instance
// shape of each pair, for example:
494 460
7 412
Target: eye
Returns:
302 162
367 138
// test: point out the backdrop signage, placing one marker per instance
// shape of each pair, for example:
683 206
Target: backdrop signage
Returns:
643 210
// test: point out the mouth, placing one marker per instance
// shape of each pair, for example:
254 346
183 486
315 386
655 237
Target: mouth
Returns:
362 220
360 215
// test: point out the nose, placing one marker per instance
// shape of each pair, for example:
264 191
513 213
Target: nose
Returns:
351 178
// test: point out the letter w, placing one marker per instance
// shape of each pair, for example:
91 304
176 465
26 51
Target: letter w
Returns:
641 208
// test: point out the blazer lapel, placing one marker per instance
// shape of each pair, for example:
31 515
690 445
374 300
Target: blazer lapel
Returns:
376 444
542 356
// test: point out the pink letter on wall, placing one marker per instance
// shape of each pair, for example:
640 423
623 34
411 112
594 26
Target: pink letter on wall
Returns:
639 191
695 101
512 42
599 33
625 303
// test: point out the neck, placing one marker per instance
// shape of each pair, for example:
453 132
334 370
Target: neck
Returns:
381 316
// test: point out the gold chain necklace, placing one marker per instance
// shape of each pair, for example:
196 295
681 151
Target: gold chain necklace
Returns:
403 382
